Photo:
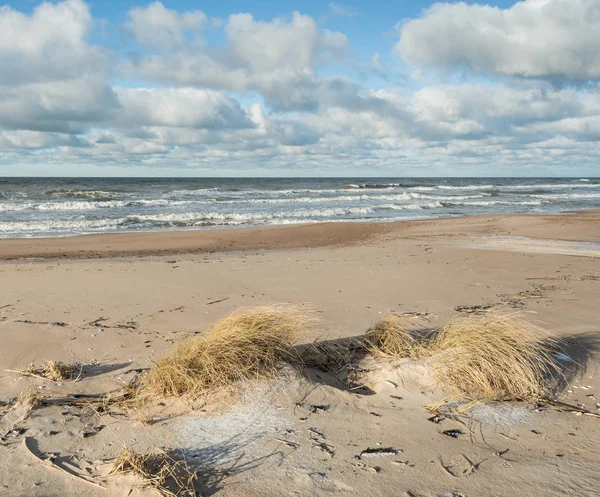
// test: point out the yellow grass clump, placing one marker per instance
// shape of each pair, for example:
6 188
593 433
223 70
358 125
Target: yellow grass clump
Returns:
59 371
172 478
29 397
246 344
479 358
391 337
493 358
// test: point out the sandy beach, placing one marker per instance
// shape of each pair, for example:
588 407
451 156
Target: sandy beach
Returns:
116 303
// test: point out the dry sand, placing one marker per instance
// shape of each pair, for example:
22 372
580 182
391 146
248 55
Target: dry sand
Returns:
119 302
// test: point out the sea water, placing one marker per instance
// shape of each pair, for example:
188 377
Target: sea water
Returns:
35 207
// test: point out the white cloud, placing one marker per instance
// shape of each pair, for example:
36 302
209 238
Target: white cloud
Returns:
50 44
533 39
51 78
341 10
277 59
497 109
156 25
179 107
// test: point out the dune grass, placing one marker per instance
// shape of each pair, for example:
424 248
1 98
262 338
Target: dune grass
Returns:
479 358
392 337
494 358
248 343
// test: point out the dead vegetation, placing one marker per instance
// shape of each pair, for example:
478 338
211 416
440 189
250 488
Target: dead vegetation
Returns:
482 358
53 371
170 477
249 343
393 337
29 397
494 358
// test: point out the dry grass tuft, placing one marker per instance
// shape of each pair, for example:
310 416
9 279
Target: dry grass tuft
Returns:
29 397
170 477
478 357
53 371
246 344
59 371
493 358
391 337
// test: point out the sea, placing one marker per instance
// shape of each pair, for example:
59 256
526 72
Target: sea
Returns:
50 207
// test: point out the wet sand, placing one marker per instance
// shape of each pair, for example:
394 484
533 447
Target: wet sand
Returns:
584 225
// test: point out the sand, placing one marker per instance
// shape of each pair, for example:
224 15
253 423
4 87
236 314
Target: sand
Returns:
119 302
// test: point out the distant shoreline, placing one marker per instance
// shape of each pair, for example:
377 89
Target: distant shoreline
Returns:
582 225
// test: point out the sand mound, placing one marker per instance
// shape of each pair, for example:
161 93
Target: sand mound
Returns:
483 358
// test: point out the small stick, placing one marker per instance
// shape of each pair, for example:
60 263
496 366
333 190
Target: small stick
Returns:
574 409
293 445
27 373
217 301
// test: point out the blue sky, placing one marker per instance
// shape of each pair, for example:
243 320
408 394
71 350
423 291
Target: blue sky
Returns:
390 88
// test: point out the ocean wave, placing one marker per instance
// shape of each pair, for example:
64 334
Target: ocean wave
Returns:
98 195
88 205
195 191
449 197
464 187
491 203
567 196
251 216
549 186
376 186
545 186
402 207
60 226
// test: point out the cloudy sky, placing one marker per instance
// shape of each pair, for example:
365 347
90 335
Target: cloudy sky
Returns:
290 88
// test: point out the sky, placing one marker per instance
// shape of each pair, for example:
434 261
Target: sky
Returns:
290 88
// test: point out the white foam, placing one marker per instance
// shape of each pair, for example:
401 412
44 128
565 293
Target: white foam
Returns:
566 196
191 217
60 226
495 202
465 187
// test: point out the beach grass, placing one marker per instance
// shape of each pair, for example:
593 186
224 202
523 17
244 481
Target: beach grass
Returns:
392 337
246 344
495 358
477 357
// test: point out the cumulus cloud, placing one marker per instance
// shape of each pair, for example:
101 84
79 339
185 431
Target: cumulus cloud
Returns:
277 59
52 79
553 39
158 26
179 107
486 109
48 45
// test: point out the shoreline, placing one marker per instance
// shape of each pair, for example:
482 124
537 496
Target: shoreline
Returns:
582 226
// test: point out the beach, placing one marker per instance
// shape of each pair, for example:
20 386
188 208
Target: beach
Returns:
117 302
